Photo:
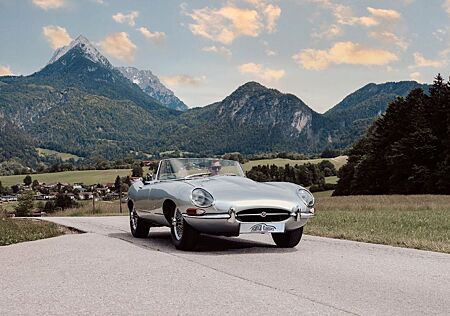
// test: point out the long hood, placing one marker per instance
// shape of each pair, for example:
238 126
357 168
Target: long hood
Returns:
240 191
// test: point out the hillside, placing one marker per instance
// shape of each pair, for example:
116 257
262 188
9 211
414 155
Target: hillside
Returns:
252 119
355 113
406 151
80 104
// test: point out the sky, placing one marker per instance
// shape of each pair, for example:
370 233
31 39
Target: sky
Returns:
319 50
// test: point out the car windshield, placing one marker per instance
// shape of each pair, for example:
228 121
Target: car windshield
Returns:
185 168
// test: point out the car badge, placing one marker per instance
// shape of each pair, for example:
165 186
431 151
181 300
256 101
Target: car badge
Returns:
263 214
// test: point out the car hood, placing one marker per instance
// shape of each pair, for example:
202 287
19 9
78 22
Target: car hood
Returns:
232 190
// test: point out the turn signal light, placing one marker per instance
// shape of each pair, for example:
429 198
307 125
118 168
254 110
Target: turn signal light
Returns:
195 211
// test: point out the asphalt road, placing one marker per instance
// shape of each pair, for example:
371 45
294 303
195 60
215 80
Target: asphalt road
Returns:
108 272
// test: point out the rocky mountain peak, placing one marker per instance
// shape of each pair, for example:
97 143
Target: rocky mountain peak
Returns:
88 50
151 85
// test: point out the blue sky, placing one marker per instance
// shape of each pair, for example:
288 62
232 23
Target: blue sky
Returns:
319 50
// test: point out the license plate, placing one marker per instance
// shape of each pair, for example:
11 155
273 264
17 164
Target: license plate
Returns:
261 228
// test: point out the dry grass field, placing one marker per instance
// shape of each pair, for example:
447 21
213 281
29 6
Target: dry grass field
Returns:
414 221
102 208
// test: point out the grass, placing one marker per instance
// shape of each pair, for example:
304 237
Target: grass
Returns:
415 221
332 179
14 230
280 162
86 176
102 208
63 156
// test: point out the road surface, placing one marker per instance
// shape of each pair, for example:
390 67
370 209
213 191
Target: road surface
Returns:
107 272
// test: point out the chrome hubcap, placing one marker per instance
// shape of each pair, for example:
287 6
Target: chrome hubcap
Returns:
133 219
177 223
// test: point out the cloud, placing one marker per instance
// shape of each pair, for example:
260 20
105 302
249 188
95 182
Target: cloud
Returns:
344 14
126 17
229 22
156 37
390 38
56 35
182 80
343 53
421 61
119 45
446 6
221 50
384 14
333 31
49 4
416 76
272 14
261 72
5 71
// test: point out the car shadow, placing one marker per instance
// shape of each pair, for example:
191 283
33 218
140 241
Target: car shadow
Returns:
207 244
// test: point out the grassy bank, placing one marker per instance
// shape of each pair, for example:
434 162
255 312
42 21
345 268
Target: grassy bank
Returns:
18 230
416 221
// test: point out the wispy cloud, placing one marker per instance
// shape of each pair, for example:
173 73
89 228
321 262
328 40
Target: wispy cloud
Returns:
344 14
343 53
446 6
416 76
156 37
229 22
49 4
261 72
182 80
57 36
128 18
332 31
5 71
119 45
390 38
220 50
421 61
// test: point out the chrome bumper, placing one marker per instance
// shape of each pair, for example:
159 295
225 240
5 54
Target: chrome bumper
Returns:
227 224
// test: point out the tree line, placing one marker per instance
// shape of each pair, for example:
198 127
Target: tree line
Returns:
307 175
405 151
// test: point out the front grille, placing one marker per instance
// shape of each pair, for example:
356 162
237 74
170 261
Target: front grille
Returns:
256 215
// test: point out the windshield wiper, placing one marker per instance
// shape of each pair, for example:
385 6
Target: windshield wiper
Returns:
197 175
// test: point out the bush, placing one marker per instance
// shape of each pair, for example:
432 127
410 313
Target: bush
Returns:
25 203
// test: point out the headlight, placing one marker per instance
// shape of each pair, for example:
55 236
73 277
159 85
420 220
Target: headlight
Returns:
201 198
306 197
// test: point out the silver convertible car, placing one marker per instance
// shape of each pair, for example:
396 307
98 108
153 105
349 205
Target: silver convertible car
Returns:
213 196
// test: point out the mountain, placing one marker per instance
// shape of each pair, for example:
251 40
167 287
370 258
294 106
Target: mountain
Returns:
80 65
252 119
79 103
150 84
355 113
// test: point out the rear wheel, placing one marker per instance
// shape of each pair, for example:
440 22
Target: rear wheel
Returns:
288 239
139 228
184 237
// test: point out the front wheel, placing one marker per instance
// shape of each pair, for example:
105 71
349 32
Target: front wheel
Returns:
139 228
289 239
184 237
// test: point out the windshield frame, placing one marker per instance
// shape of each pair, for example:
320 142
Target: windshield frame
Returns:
158 173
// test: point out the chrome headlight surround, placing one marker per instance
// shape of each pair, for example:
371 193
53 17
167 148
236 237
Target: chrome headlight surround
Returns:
201 198
306 197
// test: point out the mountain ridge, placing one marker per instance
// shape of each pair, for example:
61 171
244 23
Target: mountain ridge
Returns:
82 105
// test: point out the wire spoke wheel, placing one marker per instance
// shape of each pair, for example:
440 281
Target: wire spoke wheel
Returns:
178 223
